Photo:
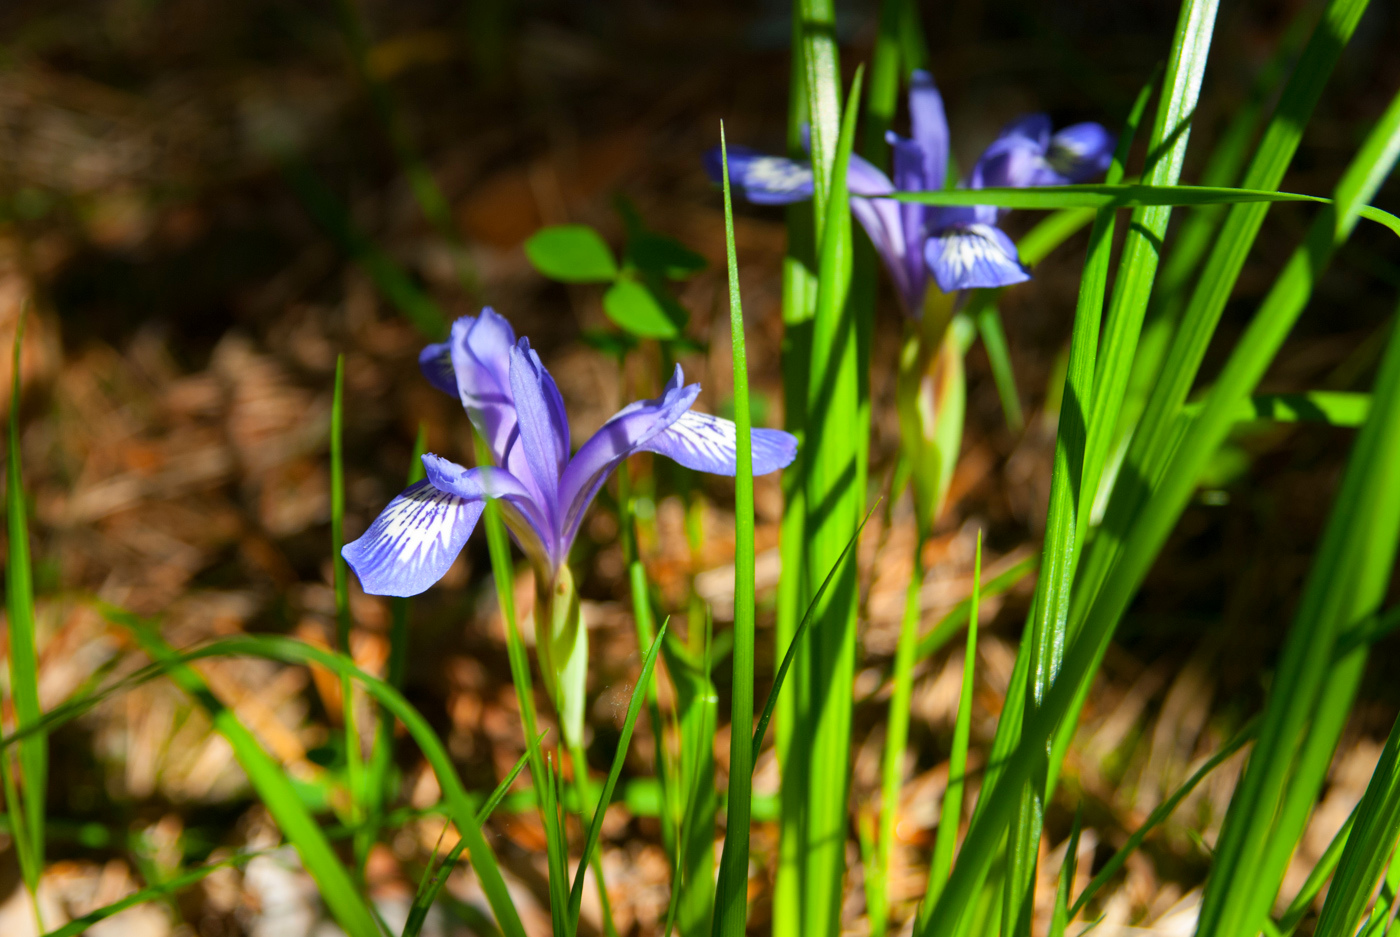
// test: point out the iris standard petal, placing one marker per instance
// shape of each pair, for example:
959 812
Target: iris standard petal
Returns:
632 427
865 179
760 178
711 444
480 349
542 425
1080 151
930 126
413 541
977 256
883 221
1016 156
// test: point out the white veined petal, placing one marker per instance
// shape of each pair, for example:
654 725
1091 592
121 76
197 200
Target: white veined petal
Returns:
710 444
975 256
413 541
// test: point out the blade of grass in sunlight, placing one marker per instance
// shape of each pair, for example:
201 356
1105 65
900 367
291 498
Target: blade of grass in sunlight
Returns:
334 882
1333 408
950 816
813 97
731 892
629 722
1157 816
355 775
26 807
1065 526
1148 451
1012 796
1227 159
556 849
834 504
989 327
388 277
1242 371
959 614
1368 849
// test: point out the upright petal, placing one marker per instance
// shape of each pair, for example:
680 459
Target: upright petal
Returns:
1016 157
632 427
972 257
542 425
413 541
710 444
480 349
762 179
930 126
883 221
1079 152
864 178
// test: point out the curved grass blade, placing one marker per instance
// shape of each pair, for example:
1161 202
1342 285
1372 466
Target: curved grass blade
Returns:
334 882
1321 871
458 801
950 818
1157 816
595 828
26 808
1334 408
1060 916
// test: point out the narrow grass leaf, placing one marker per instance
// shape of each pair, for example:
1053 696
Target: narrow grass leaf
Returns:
1060 918
731 894
950 817
629 722
27 810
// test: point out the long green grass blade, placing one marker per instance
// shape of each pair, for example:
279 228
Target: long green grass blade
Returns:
27 810
731 895
629 722
1060 916
1312 886
1333 408
833 513
1071 495
1157 816
1006 801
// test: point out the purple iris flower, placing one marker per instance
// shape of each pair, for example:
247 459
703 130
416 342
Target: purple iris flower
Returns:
961 245
515 406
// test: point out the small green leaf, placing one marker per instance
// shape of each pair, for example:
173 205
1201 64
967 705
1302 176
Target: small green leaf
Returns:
572 253
639 310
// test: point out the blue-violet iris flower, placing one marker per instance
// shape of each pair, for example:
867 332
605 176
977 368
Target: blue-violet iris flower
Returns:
516 408
962 245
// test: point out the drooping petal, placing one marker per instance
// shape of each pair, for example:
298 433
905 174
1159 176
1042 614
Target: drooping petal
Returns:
1079 152
528 521
542 426
413 541
760 178
711 444
1016 157
883 221
630 428
480 348
972 257
930 126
